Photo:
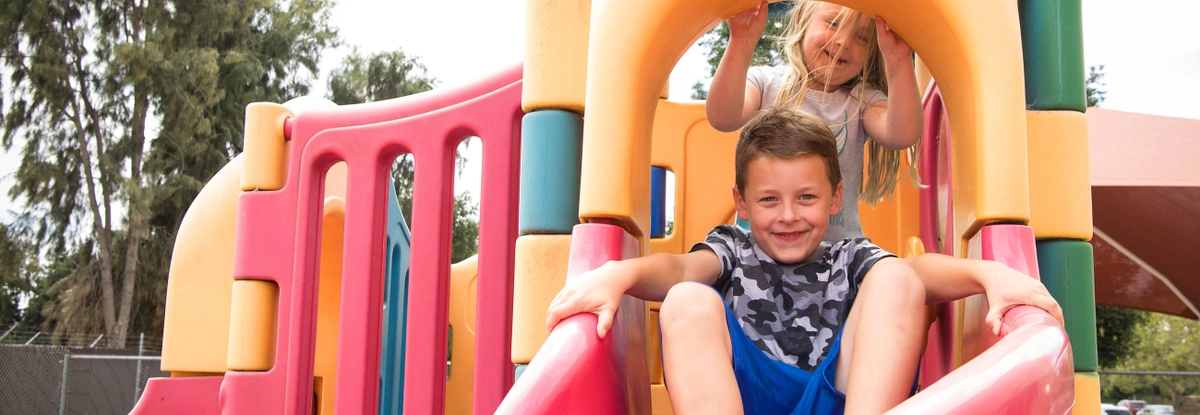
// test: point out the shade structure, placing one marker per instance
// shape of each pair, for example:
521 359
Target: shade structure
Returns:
1146 211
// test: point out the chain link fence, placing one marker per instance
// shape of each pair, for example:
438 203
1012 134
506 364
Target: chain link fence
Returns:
65 375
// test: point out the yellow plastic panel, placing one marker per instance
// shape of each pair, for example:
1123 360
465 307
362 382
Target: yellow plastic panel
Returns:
266 150
541 272
329 294
1060 189
196 320
464 283
973 49
1087 394
654 344
702 160
253 317
892 221
556 48
660 402
633 47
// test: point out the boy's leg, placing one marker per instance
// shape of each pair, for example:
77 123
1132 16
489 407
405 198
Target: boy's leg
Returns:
881 341
697 354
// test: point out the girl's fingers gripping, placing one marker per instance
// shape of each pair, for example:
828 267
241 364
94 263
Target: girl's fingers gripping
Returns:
604 321
995 317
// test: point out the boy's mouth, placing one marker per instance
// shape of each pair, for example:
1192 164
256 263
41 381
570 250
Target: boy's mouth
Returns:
789 236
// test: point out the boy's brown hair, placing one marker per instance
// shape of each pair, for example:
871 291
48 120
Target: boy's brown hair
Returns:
785 134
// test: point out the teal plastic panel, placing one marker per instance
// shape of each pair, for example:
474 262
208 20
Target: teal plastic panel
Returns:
551 153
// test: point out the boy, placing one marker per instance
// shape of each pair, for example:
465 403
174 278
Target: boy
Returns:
773 325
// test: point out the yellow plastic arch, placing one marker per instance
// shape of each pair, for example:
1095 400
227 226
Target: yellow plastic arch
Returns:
973 49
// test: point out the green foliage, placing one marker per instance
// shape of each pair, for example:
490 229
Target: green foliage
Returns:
1095 84
105 192
1116 333
766 53
1164 343
388 75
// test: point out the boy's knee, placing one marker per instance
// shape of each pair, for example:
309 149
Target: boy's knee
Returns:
894 282
690 302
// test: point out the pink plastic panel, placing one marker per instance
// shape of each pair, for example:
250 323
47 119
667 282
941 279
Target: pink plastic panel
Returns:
576 372
278 239
1028 369
196 395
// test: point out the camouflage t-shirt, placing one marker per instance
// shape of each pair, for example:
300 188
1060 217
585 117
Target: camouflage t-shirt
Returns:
791 311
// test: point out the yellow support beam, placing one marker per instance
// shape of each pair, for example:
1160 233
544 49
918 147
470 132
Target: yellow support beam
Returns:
541 272
1060 190
556 47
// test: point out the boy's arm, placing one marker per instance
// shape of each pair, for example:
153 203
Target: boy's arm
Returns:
599 291
731 100
897 122
948 278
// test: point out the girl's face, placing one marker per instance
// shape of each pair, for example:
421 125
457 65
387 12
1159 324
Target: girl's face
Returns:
834 52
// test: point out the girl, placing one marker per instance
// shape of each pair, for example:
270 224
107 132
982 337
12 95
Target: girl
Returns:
838 65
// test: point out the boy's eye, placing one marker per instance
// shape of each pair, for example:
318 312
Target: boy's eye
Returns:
808 197
768 199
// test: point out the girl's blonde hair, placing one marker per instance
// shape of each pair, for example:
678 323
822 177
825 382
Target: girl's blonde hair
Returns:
883 165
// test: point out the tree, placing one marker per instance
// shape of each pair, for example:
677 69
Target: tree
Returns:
87 79
388 75
766 53
1164 343
1095 83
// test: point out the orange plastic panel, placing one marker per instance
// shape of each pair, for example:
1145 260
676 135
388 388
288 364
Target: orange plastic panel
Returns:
252 319
464 286
196 320
1060 189
556 45
266 149
1087 394
329 294
540 274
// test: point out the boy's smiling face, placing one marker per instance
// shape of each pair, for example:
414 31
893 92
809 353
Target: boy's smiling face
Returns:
788 204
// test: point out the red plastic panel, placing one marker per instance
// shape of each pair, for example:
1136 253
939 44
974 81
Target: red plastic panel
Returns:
1028 369
196 395
279 233
576 372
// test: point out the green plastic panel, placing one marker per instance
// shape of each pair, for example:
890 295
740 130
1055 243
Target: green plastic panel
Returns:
551 153
1052 41
1066 269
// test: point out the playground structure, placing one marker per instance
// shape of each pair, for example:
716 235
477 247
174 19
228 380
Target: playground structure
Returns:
306 225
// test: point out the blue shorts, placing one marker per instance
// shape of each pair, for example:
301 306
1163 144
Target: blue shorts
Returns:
768 386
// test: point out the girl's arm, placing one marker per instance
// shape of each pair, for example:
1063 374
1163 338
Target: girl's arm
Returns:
895 123
599 291
947 278
731 100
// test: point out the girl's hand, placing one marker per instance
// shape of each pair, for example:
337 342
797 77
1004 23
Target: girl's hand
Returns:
1006 288
748 25
893 48
597 291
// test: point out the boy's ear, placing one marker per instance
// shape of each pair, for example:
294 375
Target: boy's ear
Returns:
835 205
740 204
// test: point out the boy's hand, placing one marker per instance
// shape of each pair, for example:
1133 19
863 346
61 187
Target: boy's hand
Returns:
748 25
891 46
597 291
1006 288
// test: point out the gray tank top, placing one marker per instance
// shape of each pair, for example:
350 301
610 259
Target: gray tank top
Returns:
842 111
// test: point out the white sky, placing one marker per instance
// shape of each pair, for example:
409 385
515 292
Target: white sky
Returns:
1150 50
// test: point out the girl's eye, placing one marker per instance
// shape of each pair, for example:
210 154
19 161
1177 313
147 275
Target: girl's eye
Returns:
862 38
832 23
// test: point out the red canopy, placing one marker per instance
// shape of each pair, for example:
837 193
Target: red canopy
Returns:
1146 211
